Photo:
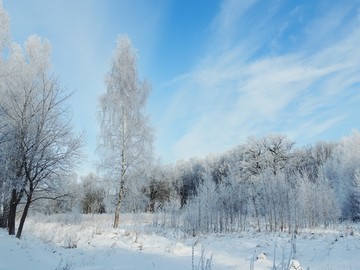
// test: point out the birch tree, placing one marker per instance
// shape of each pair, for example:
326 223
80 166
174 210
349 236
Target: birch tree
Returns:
125 135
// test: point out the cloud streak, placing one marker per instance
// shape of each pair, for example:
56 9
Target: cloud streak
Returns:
248 88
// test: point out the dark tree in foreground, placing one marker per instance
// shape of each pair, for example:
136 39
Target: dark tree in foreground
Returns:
37 125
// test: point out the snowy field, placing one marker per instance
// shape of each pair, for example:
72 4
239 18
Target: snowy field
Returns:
89 242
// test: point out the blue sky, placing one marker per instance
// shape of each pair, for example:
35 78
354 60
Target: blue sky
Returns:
220 70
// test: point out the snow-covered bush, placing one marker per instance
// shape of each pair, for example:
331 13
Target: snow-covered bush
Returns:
70 239
93 195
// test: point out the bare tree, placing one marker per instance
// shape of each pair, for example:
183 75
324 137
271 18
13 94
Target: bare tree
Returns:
7 161
33 108
125 135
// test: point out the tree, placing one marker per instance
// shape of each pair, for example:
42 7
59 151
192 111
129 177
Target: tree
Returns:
4 35
356 196
125 135
159 189
93 195
37 125
68 193
342 169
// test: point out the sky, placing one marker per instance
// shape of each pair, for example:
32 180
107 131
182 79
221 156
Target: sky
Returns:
220 71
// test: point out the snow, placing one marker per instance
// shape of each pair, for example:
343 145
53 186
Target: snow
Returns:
89 242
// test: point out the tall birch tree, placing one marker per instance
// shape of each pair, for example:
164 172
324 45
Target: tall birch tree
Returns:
125 135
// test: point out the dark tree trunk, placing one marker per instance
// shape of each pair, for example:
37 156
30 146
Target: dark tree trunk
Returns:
12 212
23 217
4 216
152 206
152 198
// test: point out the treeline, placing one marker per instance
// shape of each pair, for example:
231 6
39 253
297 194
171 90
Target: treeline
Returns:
267 183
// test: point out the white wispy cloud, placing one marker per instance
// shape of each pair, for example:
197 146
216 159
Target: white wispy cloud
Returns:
245 88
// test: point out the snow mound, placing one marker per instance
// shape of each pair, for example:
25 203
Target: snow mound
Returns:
295 265
261 257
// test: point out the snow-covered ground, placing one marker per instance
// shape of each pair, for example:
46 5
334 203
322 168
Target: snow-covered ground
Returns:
89 242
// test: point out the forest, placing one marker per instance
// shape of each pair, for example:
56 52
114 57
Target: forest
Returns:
264 184
268 182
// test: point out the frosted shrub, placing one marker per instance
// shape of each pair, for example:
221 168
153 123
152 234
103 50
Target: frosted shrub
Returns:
71 239
64 265
204 263
74 218
93 195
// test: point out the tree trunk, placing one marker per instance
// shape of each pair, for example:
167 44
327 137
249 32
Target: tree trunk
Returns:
3 209
118 207
12 212
121 191
23 217
4 215
119 201
117 216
